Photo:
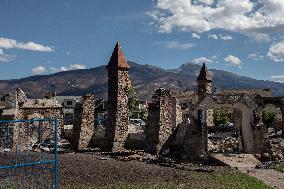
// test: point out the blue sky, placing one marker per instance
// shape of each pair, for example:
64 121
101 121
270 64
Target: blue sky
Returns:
42 37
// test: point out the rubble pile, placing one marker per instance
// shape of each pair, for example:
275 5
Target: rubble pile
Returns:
272 148
133 128
276 149
223 143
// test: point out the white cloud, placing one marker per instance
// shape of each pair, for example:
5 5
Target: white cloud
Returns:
233 60
43 70
276 52
213 37
202 60
260 37
68 68
195 35
174 45
250 17
6 43
255 56
278 78
59 69
206 2
5 57
220 36
39 70
225 37
77 67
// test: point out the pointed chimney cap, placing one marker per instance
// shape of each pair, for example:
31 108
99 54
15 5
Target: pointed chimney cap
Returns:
204 74
118 59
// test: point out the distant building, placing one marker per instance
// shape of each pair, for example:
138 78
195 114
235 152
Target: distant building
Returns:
100 111
68 103
187 100
250 92
16 106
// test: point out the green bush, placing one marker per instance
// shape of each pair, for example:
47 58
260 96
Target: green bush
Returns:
222 116
268 118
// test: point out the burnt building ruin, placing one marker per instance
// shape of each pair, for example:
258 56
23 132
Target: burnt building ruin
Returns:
178 123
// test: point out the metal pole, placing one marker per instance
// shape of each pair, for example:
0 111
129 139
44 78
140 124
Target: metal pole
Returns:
55 153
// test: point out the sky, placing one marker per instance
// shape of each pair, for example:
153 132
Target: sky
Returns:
39 37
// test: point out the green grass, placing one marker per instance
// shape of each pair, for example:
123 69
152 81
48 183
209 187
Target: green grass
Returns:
142 186
279 167
232 179
8 185
235 179
128 186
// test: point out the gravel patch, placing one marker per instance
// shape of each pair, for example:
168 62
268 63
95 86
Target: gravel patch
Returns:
270 177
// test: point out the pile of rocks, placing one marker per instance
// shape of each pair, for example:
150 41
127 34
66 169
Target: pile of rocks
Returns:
277 149
132 156
227 144
272 148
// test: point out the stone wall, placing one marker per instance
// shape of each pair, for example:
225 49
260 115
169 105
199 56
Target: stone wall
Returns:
176 113
187 142
24 133
210 118
237 121
21 97
84 121
117 115
204 88
160 123
260 138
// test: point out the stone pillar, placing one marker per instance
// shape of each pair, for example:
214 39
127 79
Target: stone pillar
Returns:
159 123
117 111
210 118
259 139
204 83
237 121
84 121
282 113
237 118
177 113
204 132
247 131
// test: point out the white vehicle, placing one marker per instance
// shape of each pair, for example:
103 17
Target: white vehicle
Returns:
139 122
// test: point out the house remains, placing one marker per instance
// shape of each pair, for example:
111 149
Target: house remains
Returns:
179 124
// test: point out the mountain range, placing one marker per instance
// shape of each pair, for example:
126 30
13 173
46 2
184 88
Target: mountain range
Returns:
145 79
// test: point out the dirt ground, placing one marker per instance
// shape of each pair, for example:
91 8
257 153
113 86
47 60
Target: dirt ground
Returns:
93 170
96 171
87 169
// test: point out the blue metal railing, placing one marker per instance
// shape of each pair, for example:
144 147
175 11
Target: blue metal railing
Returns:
55 153
25 159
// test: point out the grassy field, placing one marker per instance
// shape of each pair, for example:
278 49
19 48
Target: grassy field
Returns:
234 179
279 167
